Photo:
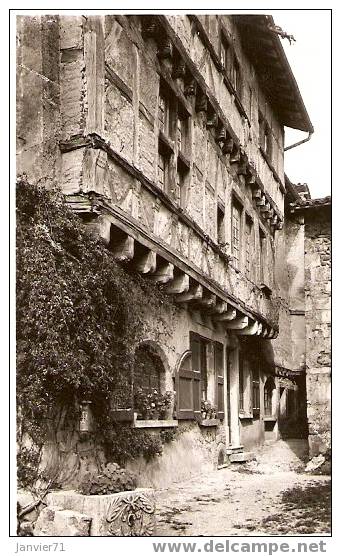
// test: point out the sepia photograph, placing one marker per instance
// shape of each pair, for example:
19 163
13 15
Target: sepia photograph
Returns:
173 275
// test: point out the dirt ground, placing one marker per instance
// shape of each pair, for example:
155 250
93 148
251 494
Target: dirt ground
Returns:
269 496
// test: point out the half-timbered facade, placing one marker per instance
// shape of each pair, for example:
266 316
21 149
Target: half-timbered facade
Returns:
166 133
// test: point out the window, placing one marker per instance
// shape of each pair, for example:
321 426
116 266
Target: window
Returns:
236 78
255 390
188 391
262 254
173 166
248 246
250 102
219 376
245 391
195 380
148 369
180 180
192 373
162 171
164 113
225 54
220 225
236 225
199 362
265 137
269 388
179 133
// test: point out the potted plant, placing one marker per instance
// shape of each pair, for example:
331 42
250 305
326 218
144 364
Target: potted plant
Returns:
206 409
164 404
152 404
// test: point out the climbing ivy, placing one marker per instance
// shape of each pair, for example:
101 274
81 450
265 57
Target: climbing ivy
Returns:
79 315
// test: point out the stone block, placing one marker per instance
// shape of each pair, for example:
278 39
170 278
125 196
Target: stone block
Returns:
54 521
242 457
127 514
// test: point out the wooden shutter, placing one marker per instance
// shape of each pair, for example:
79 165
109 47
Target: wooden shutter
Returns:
184 389
197 353
219 374
189 383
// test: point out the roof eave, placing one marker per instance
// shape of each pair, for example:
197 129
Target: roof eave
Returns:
290 109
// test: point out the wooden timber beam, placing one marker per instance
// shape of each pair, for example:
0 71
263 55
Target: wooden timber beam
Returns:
123 249
179 284
250 179
265 332
209 300
194 293
260 202
265 208
220 307
230 314
228 146
145 263
250 330
164 273
235 156
270 333
238 323
257 194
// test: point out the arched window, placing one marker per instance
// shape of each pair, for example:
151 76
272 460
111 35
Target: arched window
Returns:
269 389
148 369
200 378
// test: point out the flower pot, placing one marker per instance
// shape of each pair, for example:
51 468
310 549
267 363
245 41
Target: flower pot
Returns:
154 415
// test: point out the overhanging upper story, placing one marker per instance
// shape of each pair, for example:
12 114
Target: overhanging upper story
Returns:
166 129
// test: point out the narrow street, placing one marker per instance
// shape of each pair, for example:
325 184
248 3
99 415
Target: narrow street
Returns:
269 496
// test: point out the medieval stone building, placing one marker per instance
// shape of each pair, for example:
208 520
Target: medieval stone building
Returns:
166 133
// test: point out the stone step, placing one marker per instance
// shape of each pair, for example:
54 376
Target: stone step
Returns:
234 450
242 457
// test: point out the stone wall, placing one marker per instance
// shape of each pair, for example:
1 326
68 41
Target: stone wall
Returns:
318 325
289 346
38 121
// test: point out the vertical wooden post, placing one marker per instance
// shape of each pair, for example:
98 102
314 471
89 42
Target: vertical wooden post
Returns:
226 363
234 397
95 74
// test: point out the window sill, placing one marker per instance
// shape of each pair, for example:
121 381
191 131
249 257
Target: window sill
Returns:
123 415
184 160
155 423
209 422
166 145
270 418
245 416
